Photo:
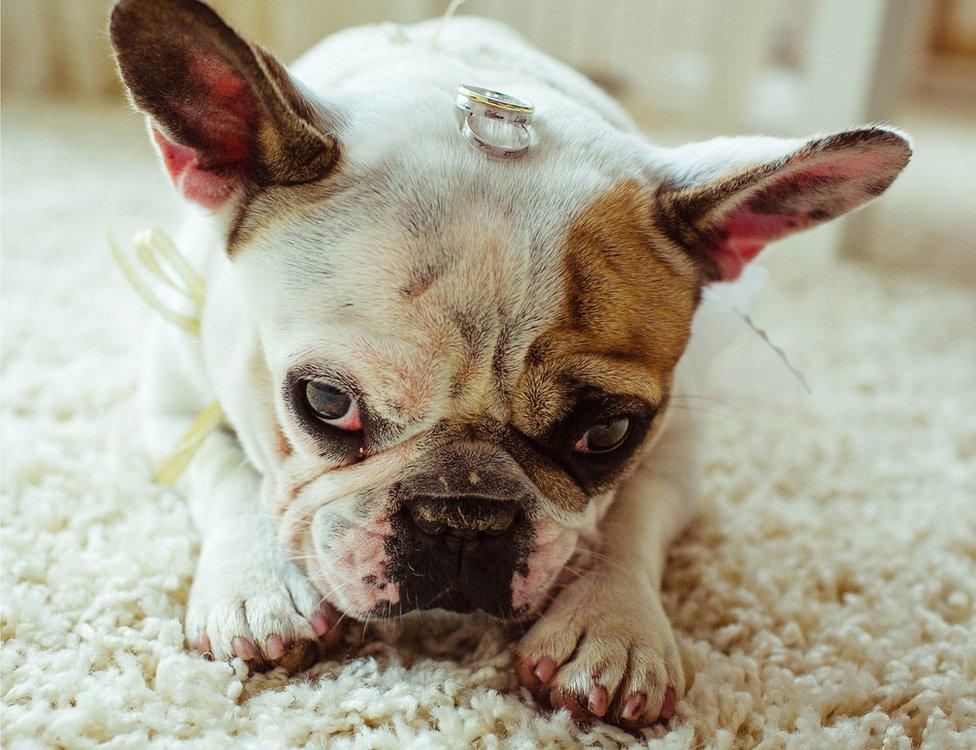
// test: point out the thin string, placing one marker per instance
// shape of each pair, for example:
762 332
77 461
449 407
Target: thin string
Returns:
451 10
171 468
761 333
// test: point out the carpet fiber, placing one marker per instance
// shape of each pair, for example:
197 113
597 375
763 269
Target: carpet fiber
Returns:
826 597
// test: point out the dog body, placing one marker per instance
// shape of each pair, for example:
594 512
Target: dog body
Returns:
446 377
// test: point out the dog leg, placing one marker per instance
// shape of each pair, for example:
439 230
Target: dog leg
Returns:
604 648
248 599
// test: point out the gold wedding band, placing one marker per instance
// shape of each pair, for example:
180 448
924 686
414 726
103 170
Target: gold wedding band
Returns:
496 99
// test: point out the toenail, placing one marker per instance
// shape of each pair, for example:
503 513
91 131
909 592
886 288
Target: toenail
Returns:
276 647
667 707
597 700
243 648
634 707
545 668
203 646
299 656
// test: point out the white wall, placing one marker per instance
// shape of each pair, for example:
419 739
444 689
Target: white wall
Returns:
708 66
682 56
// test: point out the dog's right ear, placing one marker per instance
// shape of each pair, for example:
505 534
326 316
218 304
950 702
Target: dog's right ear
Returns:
726 199
225 115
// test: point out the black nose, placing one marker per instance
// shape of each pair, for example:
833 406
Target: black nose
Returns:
461 522
458 553
461 530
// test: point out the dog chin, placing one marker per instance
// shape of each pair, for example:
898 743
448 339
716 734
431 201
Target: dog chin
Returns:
449 600
457 602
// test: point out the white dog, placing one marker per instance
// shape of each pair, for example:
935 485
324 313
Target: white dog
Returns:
446 376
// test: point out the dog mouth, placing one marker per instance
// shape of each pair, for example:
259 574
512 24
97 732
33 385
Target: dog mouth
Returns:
459 561
401 563
452 600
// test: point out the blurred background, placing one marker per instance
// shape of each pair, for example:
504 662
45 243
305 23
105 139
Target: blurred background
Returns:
686 69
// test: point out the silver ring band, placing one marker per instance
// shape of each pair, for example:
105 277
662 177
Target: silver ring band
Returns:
494 149
491 111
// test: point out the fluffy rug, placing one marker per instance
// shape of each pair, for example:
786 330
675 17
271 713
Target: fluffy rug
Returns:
826 597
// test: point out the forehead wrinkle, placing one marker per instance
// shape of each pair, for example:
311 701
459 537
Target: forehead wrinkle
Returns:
401 377
492 368
438 363
546 388
484 303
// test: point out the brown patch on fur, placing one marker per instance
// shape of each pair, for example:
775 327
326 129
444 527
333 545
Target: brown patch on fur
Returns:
546 474
630 294
282 443
629 298
423 277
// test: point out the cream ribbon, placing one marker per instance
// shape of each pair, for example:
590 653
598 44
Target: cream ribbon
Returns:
156 265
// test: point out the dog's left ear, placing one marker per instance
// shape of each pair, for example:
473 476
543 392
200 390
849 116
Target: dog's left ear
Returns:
224 113
725 199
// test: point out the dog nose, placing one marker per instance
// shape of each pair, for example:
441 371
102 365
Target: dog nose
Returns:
461 530
461 521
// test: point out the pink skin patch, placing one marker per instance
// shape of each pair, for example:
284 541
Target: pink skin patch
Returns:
350 421
355 575
554 547
230 105
745 232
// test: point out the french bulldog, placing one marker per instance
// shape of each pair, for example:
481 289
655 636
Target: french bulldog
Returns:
445 376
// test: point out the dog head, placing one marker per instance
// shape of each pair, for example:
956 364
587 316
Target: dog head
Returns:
444 364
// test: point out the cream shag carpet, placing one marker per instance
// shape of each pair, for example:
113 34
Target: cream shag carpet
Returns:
826 598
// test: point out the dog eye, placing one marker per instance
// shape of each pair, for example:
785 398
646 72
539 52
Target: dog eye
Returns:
332 406
604 437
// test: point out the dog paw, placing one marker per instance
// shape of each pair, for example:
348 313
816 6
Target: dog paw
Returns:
269 619
604 650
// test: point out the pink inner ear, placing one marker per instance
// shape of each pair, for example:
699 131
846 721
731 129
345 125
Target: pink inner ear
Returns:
222 117
791 202
229 104
744 234
201 186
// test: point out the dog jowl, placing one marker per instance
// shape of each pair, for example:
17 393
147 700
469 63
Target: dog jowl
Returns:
446 377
